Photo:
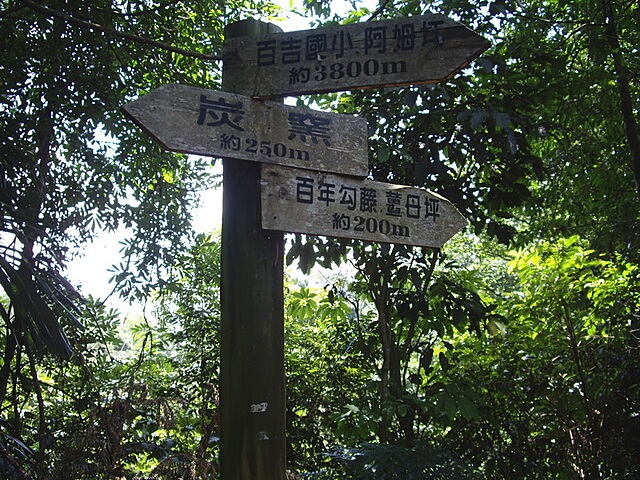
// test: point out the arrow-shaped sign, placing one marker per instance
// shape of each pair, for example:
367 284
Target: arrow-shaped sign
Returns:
315 203
401 51
220 124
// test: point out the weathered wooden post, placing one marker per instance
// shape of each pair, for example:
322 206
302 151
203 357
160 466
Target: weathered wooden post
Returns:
261 62
252 384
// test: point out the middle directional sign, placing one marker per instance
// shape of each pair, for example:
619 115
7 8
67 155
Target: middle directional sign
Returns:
316 203
219 124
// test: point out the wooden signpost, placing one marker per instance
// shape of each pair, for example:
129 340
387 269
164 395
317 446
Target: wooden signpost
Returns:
207 122
401 51
332 205
252 379
276 161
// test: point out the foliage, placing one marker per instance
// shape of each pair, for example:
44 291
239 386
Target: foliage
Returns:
72 165
389 462
328 369
442 360
131 403
559 384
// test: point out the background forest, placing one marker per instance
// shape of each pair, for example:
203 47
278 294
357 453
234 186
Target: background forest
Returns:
512 353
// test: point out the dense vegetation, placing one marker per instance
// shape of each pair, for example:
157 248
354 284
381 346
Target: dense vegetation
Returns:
512 353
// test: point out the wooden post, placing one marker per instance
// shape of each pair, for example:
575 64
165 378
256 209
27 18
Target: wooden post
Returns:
252 386
252 390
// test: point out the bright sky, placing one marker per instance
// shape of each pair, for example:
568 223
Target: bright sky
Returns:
90 271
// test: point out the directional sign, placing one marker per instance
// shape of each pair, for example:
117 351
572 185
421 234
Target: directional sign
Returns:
219 124
305 201
401 51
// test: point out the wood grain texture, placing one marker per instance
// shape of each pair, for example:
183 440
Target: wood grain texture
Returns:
400 51
332 205
252 440
221 124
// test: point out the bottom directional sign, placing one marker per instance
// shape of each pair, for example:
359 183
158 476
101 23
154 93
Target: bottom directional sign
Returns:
306 201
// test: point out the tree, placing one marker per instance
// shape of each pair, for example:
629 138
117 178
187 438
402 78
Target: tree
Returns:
328 373
492 139
580 110
72 165
559 380
383 425
538 138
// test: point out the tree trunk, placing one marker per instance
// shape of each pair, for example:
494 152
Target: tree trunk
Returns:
391 385
622 80
387 342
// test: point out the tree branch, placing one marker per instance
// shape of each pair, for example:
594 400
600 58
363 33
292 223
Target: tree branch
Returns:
10 10
114 33
379 11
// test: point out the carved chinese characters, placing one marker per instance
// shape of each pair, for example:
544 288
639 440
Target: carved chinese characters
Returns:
212 123
339 206
414 50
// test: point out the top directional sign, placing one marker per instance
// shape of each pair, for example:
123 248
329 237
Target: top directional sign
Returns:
401 51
